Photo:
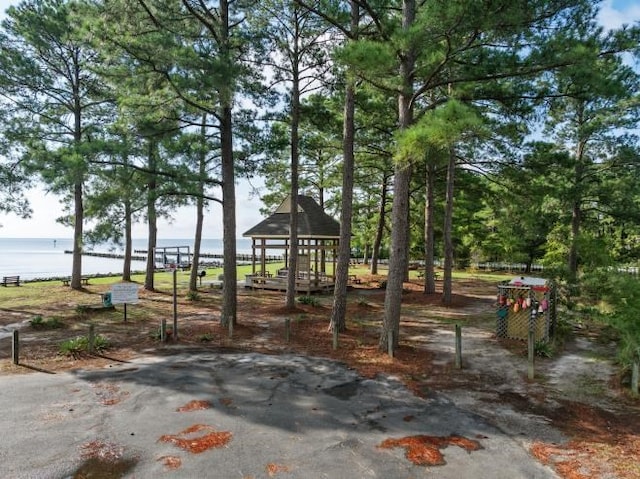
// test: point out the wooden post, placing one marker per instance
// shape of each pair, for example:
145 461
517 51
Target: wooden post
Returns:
230 329
287 329
163 330
390 343
15 350
335 338
92 337
531 343
175 304
635 372
125 312
458 361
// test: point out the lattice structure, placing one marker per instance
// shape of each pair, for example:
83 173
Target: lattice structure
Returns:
526 304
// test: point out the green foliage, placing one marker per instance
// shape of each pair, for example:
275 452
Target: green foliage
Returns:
310 300
206 337
193 296
38 322
543 349
79 345
622 295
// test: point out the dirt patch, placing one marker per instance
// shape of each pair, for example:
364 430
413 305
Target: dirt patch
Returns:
573 416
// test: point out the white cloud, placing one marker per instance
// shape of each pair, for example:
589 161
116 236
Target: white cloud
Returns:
614 14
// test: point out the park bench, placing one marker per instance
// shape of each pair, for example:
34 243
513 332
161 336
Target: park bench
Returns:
7 280
67 281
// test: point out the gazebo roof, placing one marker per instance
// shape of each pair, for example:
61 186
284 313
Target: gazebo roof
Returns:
313 222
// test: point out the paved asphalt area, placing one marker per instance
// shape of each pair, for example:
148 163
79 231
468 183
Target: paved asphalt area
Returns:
206 415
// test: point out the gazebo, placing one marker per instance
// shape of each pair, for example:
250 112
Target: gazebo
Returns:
318 240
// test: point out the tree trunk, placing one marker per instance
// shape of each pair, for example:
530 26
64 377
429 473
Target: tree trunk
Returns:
339 311
576 213
377 242
400 211
128 243
76 268
152 218
197 244
230 275
295 160
448 230
429 211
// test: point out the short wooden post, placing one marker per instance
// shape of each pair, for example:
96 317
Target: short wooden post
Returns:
92 337
635 373
163 330
390 343
175 304
531 343
287 329
15 350
458 362
335 337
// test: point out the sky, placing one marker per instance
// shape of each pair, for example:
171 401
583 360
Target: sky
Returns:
46 207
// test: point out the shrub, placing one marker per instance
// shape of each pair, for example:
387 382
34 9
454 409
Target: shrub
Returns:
38 322
193 296
310 300
543 349
624 299
80 345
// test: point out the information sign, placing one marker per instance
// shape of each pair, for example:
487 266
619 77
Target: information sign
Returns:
124 293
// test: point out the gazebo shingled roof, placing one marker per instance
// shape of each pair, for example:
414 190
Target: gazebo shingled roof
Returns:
313 222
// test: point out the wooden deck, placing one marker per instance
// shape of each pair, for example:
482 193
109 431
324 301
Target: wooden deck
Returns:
279 283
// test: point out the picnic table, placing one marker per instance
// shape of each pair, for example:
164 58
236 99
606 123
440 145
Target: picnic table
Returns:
67 281
435 275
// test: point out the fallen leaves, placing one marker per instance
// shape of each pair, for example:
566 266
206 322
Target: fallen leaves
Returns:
190 441
424 450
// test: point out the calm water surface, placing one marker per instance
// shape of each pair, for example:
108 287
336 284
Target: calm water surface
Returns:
46 258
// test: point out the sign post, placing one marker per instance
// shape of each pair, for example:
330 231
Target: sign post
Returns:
124 293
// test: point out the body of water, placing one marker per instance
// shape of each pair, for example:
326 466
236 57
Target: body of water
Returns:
32 258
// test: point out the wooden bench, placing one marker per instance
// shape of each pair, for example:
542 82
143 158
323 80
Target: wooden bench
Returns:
7 280
67 281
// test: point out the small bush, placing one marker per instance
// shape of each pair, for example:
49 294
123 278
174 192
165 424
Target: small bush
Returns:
543 349
362 301
78 346
38 322
74 347
206 337
193 296
310 300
